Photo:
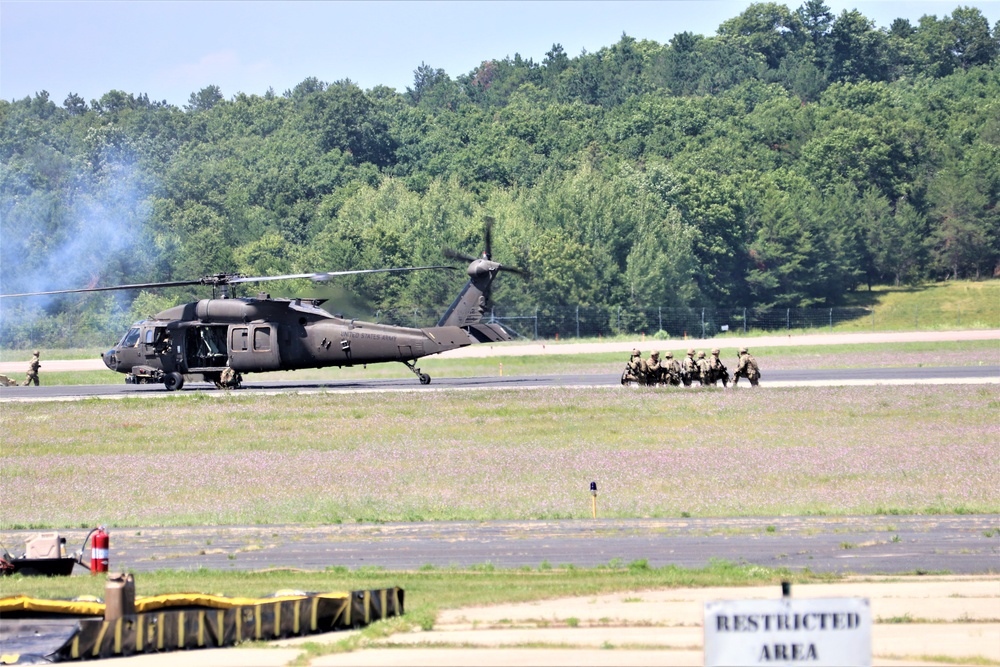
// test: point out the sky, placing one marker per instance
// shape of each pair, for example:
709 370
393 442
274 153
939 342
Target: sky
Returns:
169 50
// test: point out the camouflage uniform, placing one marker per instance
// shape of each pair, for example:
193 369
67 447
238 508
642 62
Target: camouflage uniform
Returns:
229 379
689 368
747 368
704 373
32 374
671 370
654 370
717 370
635 370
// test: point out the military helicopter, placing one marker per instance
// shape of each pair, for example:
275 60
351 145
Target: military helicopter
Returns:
219 339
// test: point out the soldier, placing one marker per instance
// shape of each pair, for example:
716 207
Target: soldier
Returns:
32 374
635 370
746 368
671 370
689 368
654 370
704 373
717 370
229 379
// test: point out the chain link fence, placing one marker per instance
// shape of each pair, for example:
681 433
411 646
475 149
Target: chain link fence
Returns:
577 322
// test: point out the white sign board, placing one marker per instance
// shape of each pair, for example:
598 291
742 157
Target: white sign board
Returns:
801 631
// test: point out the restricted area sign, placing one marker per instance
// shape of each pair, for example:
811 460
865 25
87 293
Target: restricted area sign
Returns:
818 631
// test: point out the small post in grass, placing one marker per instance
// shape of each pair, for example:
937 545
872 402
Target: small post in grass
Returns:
593 498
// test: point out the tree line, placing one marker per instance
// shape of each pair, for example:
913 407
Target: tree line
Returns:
789 159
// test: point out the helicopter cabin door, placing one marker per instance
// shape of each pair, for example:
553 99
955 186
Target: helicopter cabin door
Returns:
254 347
205 347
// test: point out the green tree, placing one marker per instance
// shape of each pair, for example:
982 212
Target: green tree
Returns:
204 99
767 28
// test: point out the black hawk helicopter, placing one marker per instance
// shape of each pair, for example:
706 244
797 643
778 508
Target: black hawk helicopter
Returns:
220 339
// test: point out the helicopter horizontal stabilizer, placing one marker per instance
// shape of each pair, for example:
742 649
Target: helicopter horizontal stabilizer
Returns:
488 333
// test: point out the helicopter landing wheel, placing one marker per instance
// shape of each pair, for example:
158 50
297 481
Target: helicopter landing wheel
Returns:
173 381
423 377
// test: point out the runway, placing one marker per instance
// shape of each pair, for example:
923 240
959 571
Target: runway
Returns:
965 544
789 378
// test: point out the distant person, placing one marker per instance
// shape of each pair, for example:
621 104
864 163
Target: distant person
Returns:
689 368
635 370
703 370
654 371
671 370
747 368
717 370
32 374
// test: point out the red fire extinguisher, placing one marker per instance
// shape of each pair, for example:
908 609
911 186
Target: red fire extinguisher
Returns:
99 551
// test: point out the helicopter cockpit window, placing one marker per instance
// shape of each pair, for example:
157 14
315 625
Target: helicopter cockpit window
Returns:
149 336
131 338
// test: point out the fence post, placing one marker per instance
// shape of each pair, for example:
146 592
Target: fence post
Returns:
659 311
744 323
619 327
416 325
831 319
788 319
578 321
703 323
536 322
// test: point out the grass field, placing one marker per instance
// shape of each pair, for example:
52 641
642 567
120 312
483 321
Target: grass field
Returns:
237 458
446 587
933 306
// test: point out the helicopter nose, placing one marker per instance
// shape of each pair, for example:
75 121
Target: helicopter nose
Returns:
110 359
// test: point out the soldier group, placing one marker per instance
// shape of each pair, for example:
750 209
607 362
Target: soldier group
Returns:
706 371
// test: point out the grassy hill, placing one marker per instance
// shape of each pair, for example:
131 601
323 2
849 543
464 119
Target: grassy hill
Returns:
945 305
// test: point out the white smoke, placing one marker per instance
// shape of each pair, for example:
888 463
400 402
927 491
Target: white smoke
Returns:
84 225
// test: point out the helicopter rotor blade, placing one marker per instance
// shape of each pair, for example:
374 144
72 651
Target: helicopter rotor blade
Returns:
321 277
514 269
221 279
488 237
174 283
452 254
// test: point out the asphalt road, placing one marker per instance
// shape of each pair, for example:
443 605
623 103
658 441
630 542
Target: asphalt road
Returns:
829 377
967 544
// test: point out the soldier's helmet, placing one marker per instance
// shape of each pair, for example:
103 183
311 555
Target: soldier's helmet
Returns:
691 352
636 353
743 350
654 355
715 351
701 355
669 355
37 353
